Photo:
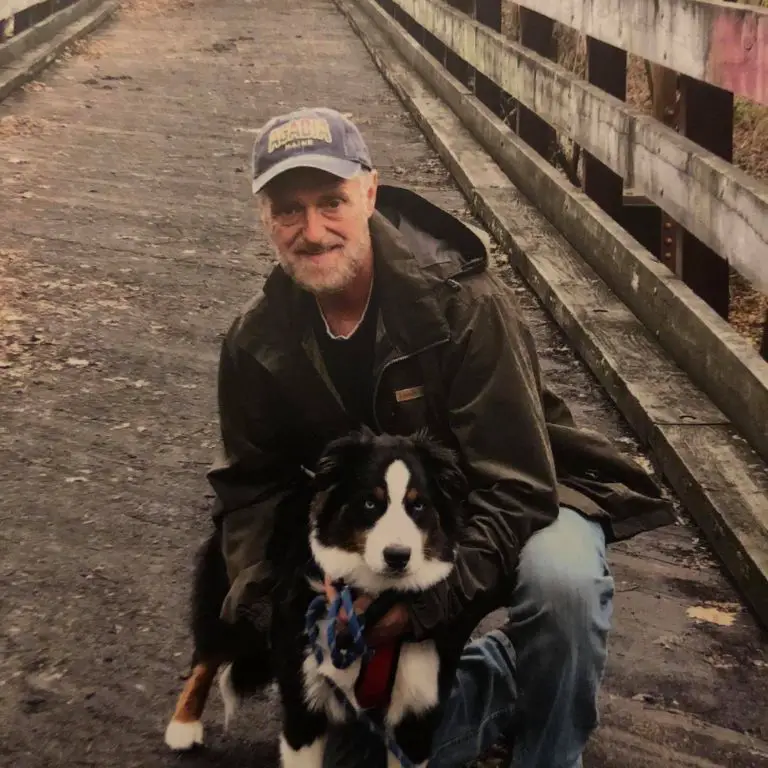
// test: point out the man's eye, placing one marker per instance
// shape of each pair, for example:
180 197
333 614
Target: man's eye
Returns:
287 210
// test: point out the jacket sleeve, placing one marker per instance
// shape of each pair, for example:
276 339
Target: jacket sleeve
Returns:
249 475
496 415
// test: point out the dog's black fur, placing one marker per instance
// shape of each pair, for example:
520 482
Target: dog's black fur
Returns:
323 506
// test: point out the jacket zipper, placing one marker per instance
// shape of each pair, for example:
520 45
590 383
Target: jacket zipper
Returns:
390 363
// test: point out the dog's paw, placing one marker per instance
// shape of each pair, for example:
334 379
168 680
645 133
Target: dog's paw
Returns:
182 736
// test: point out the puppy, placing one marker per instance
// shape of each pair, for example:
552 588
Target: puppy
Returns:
383 517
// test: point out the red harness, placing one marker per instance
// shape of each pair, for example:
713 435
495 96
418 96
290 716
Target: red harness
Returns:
373 688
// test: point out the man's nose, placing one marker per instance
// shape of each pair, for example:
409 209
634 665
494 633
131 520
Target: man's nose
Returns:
314 227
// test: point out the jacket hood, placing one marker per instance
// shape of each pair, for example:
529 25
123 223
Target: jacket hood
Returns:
440 242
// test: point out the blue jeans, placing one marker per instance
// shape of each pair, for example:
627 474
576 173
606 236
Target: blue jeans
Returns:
536 683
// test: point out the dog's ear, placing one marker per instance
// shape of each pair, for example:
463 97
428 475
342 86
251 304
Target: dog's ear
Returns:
442 466
337 456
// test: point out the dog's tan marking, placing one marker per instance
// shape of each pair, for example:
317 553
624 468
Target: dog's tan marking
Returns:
194 695
412 494
380 493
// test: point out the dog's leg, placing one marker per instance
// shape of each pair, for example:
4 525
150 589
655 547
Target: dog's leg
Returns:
228 695
413 736
185 729
309 756
302 743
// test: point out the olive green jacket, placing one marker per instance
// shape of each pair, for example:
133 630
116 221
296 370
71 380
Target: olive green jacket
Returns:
452 353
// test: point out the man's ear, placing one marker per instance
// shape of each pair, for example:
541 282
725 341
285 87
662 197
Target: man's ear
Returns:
338 456
371 191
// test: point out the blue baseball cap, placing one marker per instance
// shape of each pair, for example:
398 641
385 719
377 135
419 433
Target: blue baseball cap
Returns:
308 138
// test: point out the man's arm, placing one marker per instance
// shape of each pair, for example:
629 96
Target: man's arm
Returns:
250 476
495 412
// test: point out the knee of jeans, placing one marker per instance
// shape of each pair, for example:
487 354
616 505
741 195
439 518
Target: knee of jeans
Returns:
572 588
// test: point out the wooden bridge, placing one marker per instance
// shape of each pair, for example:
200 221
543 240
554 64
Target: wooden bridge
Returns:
629 227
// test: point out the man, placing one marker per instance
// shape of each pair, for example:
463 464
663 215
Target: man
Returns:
382 312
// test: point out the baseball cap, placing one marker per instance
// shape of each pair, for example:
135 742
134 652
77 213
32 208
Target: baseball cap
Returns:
308 138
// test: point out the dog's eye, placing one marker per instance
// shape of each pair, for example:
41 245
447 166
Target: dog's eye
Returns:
418 507
369 504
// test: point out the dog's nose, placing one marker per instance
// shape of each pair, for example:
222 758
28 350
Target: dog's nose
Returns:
397 557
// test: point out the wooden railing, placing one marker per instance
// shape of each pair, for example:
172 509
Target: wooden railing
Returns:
667 178
16 16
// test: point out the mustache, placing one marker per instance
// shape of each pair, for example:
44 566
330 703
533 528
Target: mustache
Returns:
315 249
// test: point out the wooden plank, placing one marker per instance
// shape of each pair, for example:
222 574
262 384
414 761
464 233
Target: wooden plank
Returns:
718 203
717 42
31 50
9 8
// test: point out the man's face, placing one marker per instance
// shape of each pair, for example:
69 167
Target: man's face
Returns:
318 224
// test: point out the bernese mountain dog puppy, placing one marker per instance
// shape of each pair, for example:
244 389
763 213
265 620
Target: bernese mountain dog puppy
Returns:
381 517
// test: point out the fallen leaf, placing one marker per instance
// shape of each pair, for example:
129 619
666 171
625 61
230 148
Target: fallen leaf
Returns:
712 615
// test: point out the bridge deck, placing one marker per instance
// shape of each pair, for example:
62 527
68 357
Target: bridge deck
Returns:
126 246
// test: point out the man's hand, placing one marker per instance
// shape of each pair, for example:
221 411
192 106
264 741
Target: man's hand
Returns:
390 626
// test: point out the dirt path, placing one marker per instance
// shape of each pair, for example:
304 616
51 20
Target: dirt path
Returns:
127 243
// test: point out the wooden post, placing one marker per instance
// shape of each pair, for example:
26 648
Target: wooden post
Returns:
665 109
607 69
453 63
434 47
488 12
706 117
536 32
415 29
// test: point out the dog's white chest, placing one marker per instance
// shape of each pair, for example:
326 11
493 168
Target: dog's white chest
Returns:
416 682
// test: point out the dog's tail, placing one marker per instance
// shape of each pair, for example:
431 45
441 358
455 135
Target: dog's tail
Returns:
243 644
213 637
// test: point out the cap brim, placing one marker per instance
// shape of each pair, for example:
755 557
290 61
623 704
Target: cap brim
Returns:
344 169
